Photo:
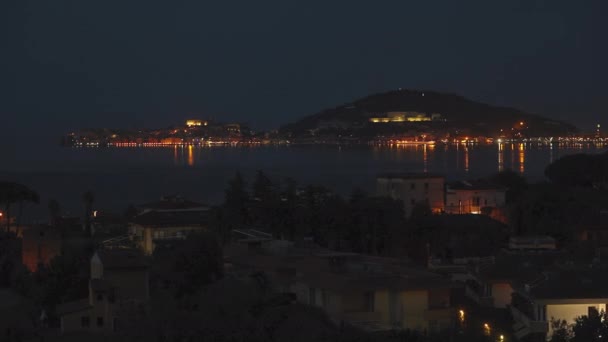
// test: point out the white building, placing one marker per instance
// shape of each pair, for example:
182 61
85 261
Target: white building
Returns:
413 189
470 197
563 295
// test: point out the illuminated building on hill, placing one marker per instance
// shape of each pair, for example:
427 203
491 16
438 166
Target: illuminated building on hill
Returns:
405 117
196 123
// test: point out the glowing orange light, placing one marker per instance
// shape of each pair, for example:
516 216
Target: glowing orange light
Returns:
521 123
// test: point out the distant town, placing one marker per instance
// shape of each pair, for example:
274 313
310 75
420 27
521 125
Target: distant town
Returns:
197 132
399 117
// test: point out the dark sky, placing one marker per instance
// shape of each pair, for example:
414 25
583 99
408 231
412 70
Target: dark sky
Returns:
69 64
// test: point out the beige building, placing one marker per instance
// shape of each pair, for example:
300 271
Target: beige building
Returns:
563 295
470 197
118 292
171 218
413 189
371 293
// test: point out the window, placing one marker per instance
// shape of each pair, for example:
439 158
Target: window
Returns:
99 297
84 321
426 186
100 321
413 201
412 186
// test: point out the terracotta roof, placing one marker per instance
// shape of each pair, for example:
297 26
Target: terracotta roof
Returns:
76 306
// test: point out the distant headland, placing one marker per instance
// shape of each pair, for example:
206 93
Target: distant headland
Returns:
399 116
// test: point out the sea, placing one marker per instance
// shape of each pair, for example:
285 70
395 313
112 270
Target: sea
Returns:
119 177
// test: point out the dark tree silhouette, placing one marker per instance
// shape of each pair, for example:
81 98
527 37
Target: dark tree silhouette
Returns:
236 200
11 193
54 211
88 198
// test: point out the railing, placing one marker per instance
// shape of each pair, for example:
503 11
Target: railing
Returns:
534 326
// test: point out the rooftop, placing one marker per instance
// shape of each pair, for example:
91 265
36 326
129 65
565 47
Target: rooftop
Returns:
409 175
478 184
156 218
76 306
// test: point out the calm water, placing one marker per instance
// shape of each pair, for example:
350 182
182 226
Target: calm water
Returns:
122 176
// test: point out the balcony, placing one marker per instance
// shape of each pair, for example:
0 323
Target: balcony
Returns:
525 325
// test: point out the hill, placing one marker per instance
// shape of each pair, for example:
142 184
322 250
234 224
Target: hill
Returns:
403 110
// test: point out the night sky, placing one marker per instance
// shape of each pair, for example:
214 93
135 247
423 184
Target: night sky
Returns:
71 64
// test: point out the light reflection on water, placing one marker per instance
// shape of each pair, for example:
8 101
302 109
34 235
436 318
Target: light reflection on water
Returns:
122 176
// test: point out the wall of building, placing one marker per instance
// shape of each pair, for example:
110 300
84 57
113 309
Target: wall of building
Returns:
72 322
382 306
569 312
413 191
131 284
415 304
501 293
149 234
461 201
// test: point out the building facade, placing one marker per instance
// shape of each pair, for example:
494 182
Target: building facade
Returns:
118 291
470 197
413 189
171 218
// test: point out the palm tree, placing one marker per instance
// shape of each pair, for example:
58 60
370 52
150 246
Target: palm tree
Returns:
11 193
88 199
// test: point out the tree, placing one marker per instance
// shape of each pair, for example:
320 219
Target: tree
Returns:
236 200
562 332
592 328
515 184
11 193
579 170
196 263
54 211
420 211
88 198
263 189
